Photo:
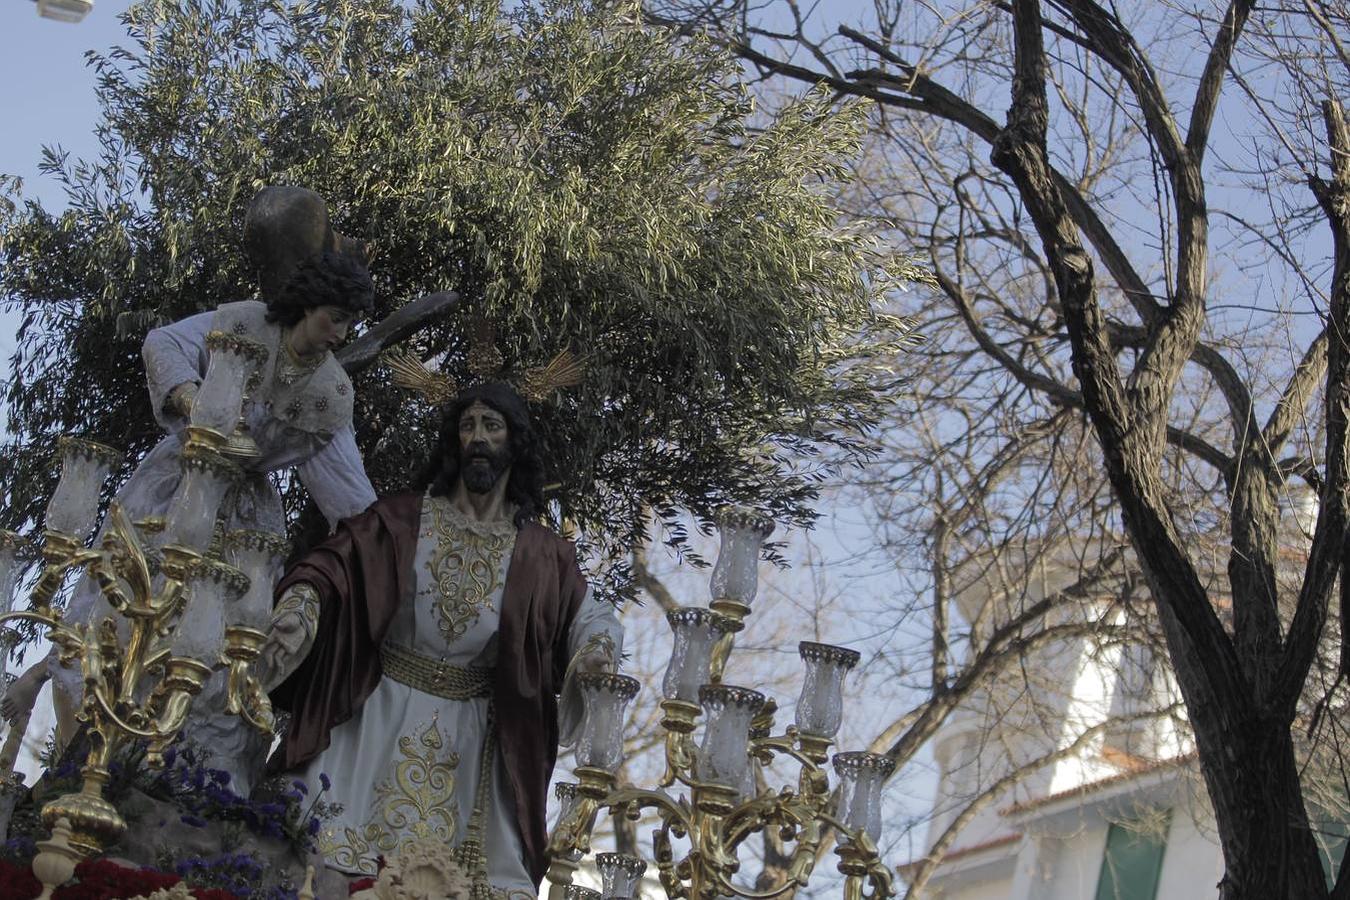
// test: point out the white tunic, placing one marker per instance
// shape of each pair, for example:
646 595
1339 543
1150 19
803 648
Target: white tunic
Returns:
407 766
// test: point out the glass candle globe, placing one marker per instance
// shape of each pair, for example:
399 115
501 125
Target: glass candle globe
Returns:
723 755
820 707
605 697
696 631
15 555
861 776
258 554
85 465
234 359
619 875
192 512
211 588
735 577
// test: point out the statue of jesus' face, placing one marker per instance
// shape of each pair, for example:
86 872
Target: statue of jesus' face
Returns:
484 447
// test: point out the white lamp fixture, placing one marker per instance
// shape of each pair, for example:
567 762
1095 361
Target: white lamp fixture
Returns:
619 875
15 554
258 554
860 778
211 587
696 631
723 757
605 696
735 577
233 361
64 10
192 512
85 465
820 707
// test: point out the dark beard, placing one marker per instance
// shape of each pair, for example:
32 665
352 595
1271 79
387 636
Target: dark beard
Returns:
479 478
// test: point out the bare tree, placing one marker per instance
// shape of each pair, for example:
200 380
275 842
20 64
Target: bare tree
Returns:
1167 178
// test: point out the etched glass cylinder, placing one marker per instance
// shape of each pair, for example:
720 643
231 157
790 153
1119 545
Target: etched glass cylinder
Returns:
820 706
605 696
233 360
619 875
723 755
258 554
85 465
211 588
15 554
696 631
192 512
860 778
735 577
577 892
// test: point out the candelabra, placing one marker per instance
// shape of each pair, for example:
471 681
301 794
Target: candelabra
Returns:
177 600
719 806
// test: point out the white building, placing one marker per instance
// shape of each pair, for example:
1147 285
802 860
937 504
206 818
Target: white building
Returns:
1105 811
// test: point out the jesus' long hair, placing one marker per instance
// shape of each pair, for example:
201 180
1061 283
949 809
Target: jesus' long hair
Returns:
525 488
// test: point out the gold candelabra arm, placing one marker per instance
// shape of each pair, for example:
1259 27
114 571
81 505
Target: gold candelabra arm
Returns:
804 856
678 718
665 863
675 812
681 757
60 554
573 834
859 859
183 680
124 559
247 699
245 696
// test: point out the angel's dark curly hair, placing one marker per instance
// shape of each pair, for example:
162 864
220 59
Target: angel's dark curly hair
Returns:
330 278
525 488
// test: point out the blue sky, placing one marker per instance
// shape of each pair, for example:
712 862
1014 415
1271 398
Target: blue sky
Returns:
49 98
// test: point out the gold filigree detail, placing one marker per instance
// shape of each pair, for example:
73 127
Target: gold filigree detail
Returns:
465 568
416 805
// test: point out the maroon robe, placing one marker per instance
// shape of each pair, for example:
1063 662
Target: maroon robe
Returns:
363 573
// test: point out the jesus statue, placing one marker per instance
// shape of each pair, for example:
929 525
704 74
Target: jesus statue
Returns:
422 651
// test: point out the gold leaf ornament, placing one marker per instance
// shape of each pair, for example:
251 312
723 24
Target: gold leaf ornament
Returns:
412 374
485 363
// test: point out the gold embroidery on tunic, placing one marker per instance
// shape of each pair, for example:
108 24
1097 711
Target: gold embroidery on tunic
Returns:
418 803
466 569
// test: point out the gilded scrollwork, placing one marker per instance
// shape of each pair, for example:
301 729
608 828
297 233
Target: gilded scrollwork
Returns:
416 803
466 568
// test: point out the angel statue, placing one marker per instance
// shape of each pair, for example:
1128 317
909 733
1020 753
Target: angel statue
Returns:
314 285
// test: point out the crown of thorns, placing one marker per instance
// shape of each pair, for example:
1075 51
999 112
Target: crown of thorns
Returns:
485 363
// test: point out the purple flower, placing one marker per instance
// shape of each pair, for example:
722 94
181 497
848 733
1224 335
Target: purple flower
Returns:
323 780
300 786
313 827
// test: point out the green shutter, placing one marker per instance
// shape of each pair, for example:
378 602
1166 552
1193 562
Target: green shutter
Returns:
1132 863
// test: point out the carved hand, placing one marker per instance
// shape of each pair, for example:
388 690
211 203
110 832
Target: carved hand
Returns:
180 398
22 694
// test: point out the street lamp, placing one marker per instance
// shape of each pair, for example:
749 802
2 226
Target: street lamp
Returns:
64 10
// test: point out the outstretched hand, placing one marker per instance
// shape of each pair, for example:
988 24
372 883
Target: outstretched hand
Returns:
595 661
22 694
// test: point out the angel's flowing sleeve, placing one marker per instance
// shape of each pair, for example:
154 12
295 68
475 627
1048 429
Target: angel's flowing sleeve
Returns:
174 354
336 478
